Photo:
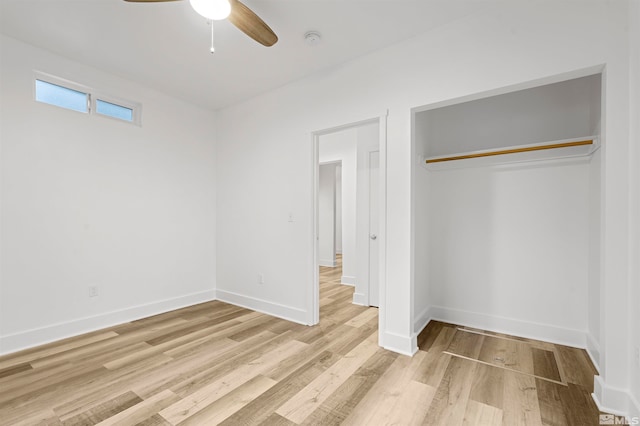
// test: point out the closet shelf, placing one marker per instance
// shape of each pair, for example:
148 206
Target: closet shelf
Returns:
512 150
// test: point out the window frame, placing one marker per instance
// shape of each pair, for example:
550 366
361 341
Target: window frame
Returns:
93 96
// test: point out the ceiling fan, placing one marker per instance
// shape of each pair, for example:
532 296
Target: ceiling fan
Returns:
237 13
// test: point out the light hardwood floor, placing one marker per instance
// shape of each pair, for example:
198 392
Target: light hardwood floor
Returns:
216 363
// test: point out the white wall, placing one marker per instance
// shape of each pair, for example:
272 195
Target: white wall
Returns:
634 193
612 386
341 146
421 200
595 258
508 248
327 215
92 201
266 160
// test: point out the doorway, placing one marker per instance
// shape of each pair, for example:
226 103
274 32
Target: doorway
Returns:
349 164
330 237
497 196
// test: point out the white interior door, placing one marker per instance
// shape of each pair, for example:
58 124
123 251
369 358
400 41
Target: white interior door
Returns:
374 265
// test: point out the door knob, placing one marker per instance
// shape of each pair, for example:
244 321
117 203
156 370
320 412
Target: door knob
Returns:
373 236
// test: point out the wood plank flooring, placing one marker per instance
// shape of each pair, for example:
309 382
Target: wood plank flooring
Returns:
215 363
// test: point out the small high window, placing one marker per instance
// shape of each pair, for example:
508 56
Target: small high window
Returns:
61 96
114 110
66 94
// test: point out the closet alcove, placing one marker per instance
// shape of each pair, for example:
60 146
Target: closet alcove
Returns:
506 212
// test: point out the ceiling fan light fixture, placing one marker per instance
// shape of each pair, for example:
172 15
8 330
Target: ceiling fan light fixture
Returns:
212 9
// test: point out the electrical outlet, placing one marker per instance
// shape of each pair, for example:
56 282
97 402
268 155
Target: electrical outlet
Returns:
93 291
260 279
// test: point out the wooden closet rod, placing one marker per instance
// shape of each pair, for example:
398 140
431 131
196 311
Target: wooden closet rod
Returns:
511 151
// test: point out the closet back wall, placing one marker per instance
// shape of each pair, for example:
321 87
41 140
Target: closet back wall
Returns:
509 247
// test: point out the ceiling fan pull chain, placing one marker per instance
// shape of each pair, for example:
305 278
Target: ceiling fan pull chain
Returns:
213 49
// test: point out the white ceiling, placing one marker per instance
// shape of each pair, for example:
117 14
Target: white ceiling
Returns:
166 45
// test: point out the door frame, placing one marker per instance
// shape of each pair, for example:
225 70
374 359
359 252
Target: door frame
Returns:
313 296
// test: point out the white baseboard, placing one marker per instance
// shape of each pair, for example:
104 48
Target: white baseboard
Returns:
50 333
347 280
405 345
593 350
260 305
515 327
327 262
615 401
360 299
